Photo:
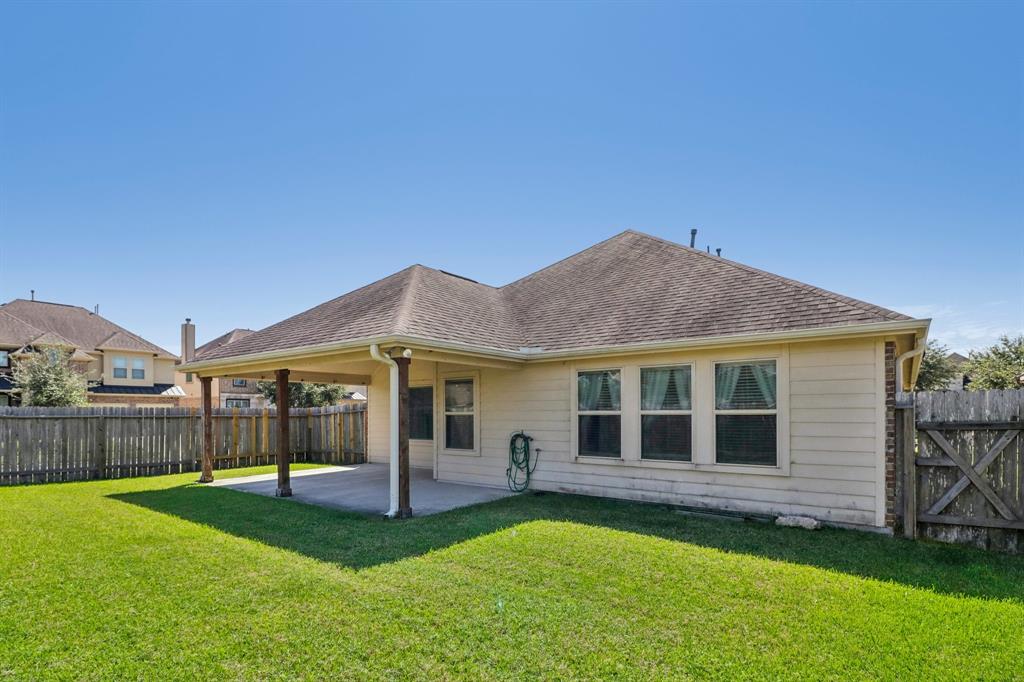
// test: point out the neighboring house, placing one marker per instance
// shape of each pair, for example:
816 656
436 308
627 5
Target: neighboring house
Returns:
122 368
227 391
642 369
960 381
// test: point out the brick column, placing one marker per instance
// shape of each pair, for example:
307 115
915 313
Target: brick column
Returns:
891 465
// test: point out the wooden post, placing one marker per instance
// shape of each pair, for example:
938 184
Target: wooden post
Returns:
284 486
404 509
101 446
907 428
207 475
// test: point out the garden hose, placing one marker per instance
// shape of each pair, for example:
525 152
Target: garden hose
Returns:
519 466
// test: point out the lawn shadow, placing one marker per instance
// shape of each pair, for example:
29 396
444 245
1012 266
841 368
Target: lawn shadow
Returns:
359 541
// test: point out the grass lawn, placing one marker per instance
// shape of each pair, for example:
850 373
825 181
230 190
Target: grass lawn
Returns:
158 578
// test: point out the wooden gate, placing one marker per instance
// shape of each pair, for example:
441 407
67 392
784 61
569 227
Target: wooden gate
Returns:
963 466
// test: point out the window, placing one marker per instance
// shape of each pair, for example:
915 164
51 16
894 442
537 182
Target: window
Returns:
120 368
236 402
5 358
665 413
599 414
138 368
188 377
241 383
421 413
746 413
459 414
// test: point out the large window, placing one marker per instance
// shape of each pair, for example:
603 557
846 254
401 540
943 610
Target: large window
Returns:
599 413
138 368
459 414
120 368
746 413
421 413
236 402
665 413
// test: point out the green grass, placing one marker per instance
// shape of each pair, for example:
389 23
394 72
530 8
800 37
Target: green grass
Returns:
158 578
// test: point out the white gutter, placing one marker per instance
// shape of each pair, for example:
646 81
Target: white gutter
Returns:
534 355
918 349
392 428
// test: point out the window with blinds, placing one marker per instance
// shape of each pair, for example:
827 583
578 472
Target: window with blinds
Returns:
746 413
665 413
599 413
421 413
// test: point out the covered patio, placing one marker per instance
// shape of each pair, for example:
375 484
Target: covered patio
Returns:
363 488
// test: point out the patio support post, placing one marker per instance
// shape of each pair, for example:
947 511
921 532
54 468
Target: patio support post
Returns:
284 486
404 508
206 384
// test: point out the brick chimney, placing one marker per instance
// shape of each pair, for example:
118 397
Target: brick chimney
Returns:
188 340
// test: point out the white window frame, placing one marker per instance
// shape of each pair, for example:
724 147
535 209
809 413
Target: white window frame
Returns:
577 413
6 355
442 414
781 454
237 407
142 369
114 367
235 384
433 405
640 422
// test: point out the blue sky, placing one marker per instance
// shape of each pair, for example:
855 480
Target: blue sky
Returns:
240 162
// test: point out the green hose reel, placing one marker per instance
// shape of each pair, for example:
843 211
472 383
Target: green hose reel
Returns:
520 468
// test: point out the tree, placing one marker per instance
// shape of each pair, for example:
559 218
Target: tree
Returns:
47 379
304 395
937 370
999 366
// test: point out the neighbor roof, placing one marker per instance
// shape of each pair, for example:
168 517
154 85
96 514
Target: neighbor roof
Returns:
231 336
632 288
25 322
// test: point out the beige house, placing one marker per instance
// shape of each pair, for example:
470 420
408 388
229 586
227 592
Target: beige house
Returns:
122 368
640 368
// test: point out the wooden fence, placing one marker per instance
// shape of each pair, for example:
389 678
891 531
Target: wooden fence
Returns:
45 444
963 466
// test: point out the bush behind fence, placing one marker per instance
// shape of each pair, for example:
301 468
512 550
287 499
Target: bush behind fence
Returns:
47 444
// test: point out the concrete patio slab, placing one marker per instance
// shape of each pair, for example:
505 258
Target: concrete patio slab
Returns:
363 488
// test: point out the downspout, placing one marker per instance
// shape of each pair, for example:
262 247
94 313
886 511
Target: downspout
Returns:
392 428
918 349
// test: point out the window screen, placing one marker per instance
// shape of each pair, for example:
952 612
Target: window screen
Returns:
665 418
746 413
599 404
459 414
421 413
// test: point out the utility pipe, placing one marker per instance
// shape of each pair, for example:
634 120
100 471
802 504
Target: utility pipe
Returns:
916 350
392 428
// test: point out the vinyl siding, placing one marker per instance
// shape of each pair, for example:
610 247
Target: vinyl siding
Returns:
830 418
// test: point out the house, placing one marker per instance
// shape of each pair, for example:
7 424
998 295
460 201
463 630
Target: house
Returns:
231 391
641 369
122 368
960 380
227 391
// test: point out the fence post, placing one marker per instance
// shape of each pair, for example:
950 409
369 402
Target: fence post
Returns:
101 446
908 452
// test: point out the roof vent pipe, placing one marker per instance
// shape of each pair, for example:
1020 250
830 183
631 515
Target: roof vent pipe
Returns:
693 236
718 252
96 309
392 428
32 292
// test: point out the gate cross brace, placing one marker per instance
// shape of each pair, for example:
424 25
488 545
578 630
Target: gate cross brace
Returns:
972 474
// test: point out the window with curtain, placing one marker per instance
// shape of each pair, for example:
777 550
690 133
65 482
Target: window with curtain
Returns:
746 413
421 413
665 413
599 413
459 414
138 368
120 368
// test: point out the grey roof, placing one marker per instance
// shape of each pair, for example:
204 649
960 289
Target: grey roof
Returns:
229 337
155 389
21 322
631 288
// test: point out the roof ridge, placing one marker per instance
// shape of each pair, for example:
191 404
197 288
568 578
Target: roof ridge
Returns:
573 255
401 315
862 305
18 319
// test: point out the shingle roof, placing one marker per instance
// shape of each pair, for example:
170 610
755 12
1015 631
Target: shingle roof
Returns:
155 389
82 328
631 288
229 337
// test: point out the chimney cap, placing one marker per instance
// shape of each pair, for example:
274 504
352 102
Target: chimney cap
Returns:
188 320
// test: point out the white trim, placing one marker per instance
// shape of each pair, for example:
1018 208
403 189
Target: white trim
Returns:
872 329
474 376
